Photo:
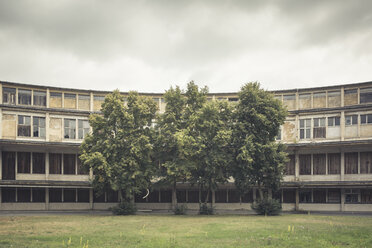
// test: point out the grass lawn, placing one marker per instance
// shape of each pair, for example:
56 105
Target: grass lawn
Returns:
186 231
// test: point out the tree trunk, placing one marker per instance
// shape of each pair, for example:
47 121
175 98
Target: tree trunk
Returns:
261 193
174 195
121 198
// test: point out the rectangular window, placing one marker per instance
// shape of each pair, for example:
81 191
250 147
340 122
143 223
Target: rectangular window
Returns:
38 163
290 167
319 130
305 196
366 162
351 163
221 196
24 97
99 98
69 195
289 196
319 164
38 126
24 126
352 196
84 97
83 195
234 196
69 164
70 96
23 162
351 97
334 163
366 195
112 196
98 197
55 195
351 120
334 99
8 194
24 195
320 195
165 196
55 100
305 164
38 195
83 128
70 128
193 196
334 196
305 127
366 119
366 95
333 121
279 135
55 163
9 95
39 98
181 196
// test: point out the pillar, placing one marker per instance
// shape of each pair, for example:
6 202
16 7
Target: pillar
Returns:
297 165
342 169
91 199
46 198
342 200
297 204
47 165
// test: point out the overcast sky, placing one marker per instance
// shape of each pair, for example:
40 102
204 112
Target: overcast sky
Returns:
150 45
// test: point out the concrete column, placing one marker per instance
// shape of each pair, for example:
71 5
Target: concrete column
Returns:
47 98
47 199
342 97
297 204
91 199
312 164
297 165
227 195
342 172
47 121
358 95
91 102
46 165
342 125
342 200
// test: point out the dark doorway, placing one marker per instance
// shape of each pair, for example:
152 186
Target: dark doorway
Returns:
8 170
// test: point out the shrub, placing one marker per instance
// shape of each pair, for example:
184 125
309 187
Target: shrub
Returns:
180 209
267 207
204 209
124 208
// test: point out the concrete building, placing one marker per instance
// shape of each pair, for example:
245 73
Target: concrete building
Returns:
328 133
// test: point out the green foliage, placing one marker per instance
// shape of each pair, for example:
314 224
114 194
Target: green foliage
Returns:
120 147
267 206
204 209
180 209
124 208
259 160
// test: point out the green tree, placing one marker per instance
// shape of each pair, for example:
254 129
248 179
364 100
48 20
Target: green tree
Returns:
259 160
120 147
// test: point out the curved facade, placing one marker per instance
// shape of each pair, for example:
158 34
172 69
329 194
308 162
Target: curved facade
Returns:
328 133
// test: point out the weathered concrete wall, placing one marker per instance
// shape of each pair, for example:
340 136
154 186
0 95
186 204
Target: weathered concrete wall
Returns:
26 176
365 130
320 207
305 101
103 206
9 125
55 129
333 132
84 104
97 105
351 99
351 131
59 177
23 206
70 103
288 206
55 102
334 100
290 103
319 100
69 206
358 207
289 131
309 178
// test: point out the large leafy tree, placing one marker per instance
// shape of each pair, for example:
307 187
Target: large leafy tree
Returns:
120 147
259 160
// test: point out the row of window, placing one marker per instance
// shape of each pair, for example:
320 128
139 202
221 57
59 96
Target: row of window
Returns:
37 129
334 196
322 164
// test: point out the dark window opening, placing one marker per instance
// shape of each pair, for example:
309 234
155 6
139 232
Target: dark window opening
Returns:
23 162
366 196
39 98
366 95
69 195
38 163
366 162
221 196
289 196
305 164
193 196
153 196
81 169
351 163
8 194
24 195
8 165
305 196
319 164
166 196
290 166
139 197
69 164
70 128
83 195
319 130
334 196
9 95
181 196
24 97
38 127
55 195
204 196
234 196
55 163
320 196
38 195
24 126
334 163
112 196
248 197
98 197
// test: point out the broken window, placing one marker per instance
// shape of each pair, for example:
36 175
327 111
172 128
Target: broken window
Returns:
305 127
38 195
366 119
334 196
366 162
9 95
38 163
38 126
289 196
55 195
69 195
366 196
24 126
319 195
166 196
333 121
39 98
352 195
220 196
8 194
83 195
69 164
83 128
319 164
23 162
351 163
290 166
24 195
334 163
305 164
55 163
305 196
70 129
24 97
366 95
319 130
351 120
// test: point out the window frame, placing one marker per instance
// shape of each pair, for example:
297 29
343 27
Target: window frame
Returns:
305 128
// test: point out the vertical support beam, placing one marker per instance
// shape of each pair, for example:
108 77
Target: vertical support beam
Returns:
342 200
342 97
63 100
91 199
342 126
326 172
227 195
47 125
297 165
47 98
358 95
46 165
297 101
297 204
46 198
358 162
342 170
91 104
312 164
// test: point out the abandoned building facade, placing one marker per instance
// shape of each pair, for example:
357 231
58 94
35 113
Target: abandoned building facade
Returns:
328 133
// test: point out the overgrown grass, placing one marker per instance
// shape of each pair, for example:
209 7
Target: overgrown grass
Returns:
186 231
